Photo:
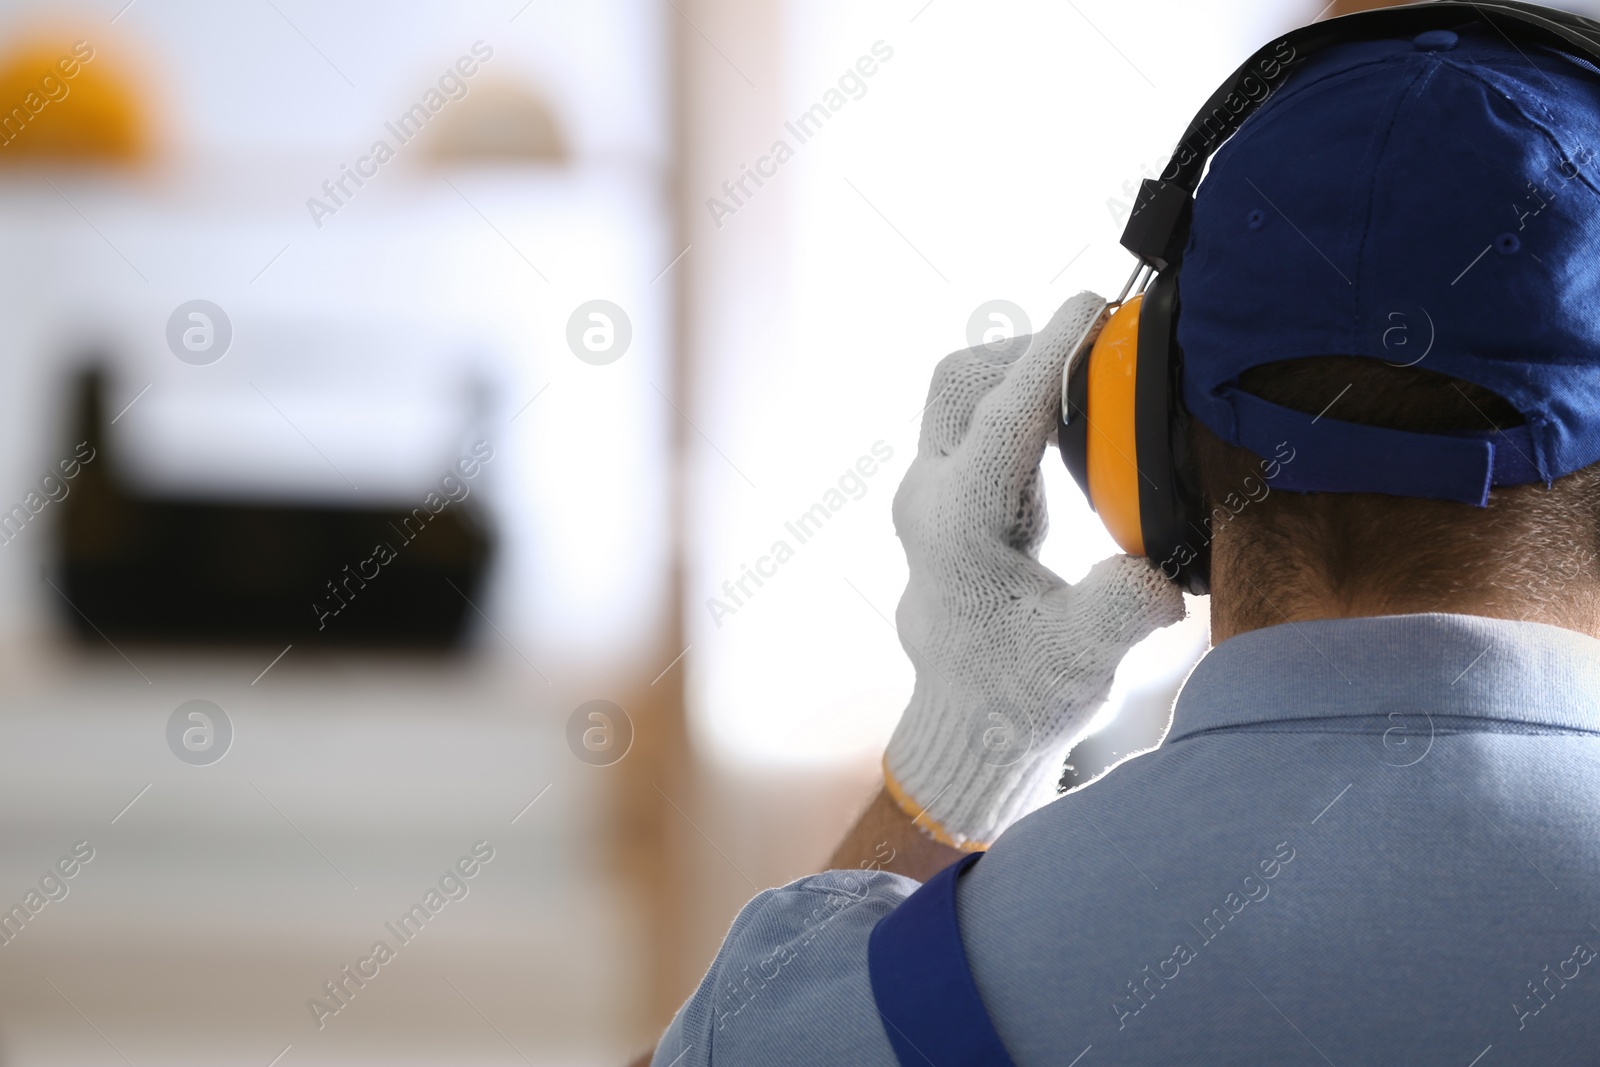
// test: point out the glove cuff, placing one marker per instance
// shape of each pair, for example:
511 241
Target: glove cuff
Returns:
964 779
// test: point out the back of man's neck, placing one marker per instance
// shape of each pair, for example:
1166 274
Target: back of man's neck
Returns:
1239 606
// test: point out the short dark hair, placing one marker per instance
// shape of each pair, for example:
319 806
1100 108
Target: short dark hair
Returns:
1531 541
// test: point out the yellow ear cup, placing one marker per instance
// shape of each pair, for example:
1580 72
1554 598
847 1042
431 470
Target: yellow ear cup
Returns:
1113 451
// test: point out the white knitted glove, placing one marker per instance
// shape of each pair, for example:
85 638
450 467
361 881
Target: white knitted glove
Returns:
1011 662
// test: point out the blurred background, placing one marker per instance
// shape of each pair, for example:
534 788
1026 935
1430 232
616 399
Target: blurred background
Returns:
401 406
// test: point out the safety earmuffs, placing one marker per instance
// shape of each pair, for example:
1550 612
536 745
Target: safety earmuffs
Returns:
1124 429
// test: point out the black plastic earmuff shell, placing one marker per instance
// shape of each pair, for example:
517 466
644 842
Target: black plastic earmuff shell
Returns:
1169 500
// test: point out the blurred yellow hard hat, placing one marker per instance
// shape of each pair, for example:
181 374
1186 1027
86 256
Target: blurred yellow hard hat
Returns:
62 102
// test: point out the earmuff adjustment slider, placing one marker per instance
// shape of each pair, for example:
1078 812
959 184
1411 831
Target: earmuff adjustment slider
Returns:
1158 228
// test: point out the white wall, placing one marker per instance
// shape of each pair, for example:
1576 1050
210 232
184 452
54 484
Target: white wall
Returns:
978 165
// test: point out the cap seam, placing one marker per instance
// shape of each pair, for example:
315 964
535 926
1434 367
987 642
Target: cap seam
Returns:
1552 136
1272 110
1358 307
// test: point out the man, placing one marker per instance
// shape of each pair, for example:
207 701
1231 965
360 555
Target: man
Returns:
1372 834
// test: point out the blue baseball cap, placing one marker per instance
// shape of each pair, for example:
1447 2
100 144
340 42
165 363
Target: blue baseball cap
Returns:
1430 201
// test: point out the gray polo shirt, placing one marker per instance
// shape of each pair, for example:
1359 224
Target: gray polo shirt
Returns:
1363 841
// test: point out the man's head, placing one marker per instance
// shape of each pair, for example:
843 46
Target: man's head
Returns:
1430 208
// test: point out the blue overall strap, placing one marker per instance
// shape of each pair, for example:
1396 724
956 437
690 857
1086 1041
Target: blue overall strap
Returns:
925 993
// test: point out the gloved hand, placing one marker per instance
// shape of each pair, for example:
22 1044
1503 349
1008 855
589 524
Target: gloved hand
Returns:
1011 662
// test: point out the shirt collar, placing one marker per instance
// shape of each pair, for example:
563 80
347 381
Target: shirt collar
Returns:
1441 665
